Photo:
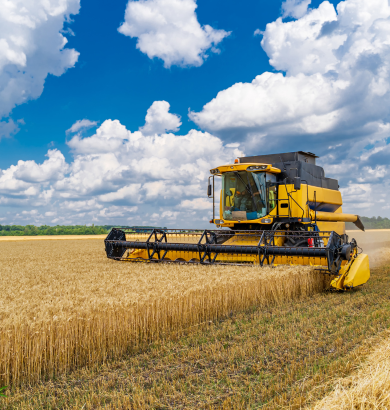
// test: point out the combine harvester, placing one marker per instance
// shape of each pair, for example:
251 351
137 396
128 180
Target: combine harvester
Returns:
274 210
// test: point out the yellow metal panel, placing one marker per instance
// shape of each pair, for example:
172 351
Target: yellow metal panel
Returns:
355 273
338 227
283 199
328 196
298 201
359 272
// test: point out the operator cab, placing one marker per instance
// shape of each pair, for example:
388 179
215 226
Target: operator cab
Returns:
249 192
247 195
261 190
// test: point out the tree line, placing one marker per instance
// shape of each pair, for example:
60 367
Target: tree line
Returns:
375 222
31 230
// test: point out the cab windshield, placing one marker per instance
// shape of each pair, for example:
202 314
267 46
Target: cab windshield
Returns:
244 195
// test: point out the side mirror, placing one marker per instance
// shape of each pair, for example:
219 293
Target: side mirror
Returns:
297 183
209 191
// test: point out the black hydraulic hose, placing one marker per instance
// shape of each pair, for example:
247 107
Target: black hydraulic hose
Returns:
223 249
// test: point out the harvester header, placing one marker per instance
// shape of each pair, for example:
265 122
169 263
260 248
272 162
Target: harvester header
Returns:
273 209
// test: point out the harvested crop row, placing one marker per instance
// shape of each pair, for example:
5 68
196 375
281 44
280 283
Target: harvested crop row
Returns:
64 305
369 388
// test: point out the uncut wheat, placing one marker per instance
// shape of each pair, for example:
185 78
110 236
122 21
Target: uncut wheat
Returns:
63 305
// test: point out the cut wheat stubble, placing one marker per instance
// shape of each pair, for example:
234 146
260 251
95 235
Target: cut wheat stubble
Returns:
368 388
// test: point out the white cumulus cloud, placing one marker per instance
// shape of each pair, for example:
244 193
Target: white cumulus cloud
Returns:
159 120
31 47
337 76
169 30
295 8
81 125
332 90
117 176
53 168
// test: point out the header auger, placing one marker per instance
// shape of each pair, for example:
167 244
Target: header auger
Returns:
274 210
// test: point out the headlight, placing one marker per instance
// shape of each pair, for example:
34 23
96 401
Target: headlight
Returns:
266 221
214 171
257 167
219 221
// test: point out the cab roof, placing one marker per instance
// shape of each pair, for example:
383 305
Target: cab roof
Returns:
244 167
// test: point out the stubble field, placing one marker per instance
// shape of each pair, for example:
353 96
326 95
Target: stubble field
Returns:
80 330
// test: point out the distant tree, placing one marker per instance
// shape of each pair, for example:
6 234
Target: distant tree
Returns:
371 223
31 230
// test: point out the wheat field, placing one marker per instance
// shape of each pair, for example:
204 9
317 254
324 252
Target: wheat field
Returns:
367 389
63 305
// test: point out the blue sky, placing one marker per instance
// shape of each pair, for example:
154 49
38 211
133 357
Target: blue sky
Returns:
110 79
113 79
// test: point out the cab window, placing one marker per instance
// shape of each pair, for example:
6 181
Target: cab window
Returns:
272 191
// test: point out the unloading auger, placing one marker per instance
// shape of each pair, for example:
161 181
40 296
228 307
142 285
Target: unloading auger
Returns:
274 210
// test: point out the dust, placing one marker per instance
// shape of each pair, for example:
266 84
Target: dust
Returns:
375 243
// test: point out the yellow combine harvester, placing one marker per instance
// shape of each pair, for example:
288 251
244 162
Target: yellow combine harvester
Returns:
274 209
